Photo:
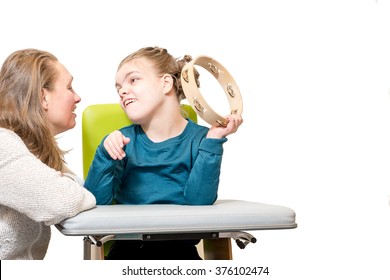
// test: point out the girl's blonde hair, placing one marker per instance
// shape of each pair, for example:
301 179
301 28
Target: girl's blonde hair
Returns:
23 76
164 63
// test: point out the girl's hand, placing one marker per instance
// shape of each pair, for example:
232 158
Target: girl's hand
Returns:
114 144
234 121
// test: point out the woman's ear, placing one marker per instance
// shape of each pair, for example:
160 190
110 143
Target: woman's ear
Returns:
167 83
44 97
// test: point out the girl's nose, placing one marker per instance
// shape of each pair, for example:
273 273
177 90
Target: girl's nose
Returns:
124 91
77 98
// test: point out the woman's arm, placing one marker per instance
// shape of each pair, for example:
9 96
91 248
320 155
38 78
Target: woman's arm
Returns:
31 187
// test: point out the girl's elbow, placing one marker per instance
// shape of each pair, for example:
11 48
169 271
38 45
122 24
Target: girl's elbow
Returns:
103 200
202 201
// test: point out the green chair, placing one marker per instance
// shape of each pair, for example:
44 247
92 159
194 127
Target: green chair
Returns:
101 119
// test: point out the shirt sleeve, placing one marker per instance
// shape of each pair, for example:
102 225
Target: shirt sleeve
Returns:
31 187
202 185
103 176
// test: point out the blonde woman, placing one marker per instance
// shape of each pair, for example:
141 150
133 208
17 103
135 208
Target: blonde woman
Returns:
37 190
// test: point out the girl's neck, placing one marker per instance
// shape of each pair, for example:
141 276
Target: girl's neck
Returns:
165 127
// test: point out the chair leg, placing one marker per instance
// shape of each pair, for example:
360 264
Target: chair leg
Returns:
92 251
87 249
97 253
217 249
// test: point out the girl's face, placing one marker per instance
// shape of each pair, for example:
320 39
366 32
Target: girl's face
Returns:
141 90
60 101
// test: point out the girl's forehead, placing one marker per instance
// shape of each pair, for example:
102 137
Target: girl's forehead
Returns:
131 65
139 65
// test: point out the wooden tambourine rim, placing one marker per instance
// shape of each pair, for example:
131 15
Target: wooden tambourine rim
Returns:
195 98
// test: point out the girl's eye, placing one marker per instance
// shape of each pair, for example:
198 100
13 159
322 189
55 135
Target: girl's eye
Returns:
133 80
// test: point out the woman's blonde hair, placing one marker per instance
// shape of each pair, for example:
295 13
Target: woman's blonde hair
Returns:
164 63
23 76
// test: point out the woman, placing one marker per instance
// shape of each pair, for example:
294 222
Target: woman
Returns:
37 190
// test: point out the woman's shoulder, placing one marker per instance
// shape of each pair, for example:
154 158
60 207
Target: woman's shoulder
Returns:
11 145
4 132
8 137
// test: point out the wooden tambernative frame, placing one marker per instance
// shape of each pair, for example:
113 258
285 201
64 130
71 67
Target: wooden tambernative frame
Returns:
195 98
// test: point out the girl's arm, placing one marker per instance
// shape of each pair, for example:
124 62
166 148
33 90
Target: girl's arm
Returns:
105 171
202 185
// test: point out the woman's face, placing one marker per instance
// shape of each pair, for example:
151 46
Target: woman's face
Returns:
60 101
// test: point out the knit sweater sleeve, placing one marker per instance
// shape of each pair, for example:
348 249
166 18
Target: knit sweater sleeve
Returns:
30 187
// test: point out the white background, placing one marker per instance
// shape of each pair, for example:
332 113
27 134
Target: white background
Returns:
315 79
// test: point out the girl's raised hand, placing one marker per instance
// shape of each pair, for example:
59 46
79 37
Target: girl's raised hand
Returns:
234 121
114 144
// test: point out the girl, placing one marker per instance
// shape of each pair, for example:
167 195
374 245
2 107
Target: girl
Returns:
162 157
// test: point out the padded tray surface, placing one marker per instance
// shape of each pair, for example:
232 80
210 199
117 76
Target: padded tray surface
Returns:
223 216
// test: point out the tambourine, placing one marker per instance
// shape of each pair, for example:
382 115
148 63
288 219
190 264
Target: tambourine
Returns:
195 98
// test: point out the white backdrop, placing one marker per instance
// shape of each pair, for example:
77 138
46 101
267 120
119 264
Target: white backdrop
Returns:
315 80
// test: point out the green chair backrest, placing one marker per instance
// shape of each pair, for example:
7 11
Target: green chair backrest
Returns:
101 119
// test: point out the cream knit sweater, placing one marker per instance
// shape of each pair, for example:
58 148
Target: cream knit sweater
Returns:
32 198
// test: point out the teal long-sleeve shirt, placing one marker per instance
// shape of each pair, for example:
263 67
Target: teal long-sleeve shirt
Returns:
181 170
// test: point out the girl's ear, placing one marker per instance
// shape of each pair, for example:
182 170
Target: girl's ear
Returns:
167 83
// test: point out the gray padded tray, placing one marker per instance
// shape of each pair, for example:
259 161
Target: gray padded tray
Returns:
223 216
